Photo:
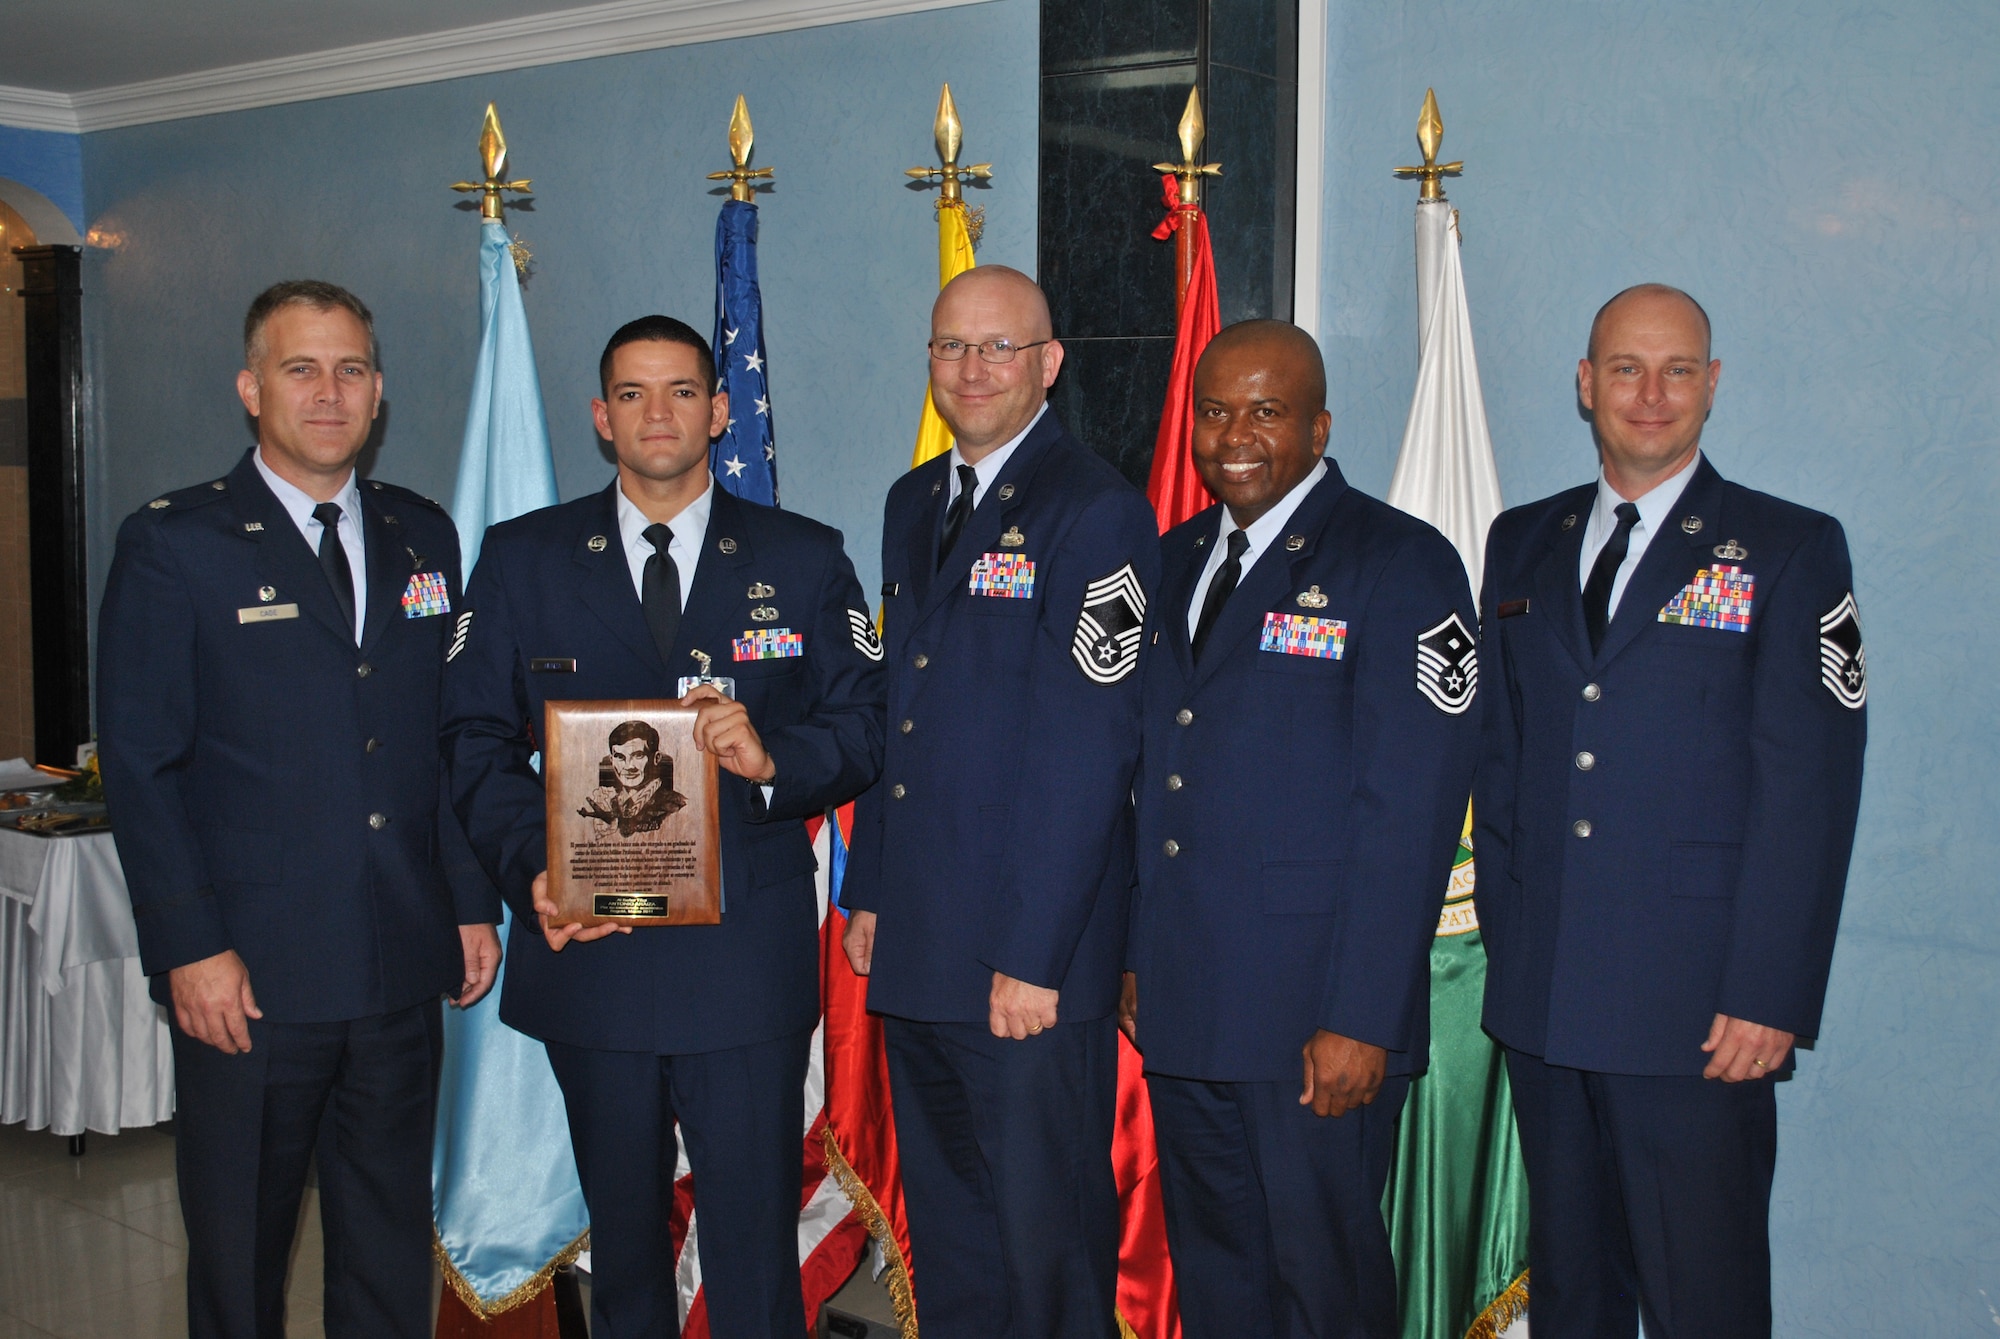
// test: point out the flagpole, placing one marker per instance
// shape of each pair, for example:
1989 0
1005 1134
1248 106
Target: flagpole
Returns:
959 226
1189 172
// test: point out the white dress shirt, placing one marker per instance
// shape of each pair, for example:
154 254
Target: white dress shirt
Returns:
1261 533
299 506
690 527
989 466
1655 509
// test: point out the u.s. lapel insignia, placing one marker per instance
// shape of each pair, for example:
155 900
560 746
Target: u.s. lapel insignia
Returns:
1731 552
1293 543
1843 662
726 544
1569 521
389 520
1312 599
764 613
1448 665
267 593
760 591
1106 644
1013 539
598 544
1691 524
937 488
1201 542
866 641
1006 491
253 527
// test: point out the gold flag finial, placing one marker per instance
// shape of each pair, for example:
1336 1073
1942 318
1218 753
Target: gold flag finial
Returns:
1190 170
950 137
741 137
1430 134
492 158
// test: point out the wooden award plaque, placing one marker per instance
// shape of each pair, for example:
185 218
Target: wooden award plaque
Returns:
634 832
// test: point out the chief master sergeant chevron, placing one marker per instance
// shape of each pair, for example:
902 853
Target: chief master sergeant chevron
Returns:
992 863
1665 806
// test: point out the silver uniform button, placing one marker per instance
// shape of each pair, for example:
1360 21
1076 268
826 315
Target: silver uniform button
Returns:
1585 761
1591 692
897 790
1581 827
1172 848
908 726
1184 717
363 670
1174 782
378 821
921 661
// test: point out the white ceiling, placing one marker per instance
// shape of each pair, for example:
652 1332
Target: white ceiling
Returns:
71 46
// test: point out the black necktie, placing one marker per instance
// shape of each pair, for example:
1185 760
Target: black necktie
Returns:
1597 590
961 507
660 587
1219 590
333 559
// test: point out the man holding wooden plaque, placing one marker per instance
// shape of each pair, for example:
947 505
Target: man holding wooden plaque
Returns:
665 941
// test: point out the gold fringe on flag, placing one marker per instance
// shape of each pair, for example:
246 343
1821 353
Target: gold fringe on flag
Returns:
877 1223
1507 1308
527 1292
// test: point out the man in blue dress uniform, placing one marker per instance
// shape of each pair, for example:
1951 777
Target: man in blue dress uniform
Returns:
992 863
1665 808
1309 744
619 595
269 655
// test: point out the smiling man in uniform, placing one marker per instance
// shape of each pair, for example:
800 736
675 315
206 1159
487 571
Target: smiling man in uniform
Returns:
1665 808
1309 743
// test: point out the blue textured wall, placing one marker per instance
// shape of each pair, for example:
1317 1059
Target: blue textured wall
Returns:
48 161
1802 169
353 189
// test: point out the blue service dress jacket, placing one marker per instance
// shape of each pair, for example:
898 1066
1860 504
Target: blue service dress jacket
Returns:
1302 791
275 788
1663 828
999 838
552 613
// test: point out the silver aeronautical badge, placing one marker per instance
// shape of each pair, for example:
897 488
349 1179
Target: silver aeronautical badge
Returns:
1732 552
267 593
1013 539
1691 524
598 543
760 591
764 613
1312 599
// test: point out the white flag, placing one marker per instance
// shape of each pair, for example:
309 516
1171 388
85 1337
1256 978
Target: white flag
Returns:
1445 473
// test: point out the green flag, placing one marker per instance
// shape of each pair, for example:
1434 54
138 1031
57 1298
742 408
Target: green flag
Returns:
1457 1202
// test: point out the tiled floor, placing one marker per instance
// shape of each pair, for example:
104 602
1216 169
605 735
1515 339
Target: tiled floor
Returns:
91 1247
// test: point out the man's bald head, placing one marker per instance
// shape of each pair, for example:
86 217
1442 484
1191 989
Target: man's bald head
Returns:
1022 296
1278 345
1647 293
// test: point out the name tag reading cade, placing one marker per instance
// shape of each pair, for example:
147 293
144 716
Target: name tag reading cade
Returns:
266 613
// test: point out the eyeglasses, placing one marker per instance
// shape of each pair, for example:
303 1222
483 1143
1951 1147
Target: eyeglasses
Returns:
992 351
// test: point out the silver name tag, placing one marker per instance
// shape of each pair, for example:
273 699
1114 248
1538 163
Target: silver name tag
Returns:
266 613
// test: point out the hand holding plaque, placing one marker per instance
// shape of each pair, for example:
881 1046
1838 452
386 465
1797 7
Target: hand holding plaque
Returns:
633 827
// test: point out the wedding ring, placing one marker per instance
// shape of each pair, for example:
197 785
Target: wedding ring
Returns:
1759 1063
1036 1028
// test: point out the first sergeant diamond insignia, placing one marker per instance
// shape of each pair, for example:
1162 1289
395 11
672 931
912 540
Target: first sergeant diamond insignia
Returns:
865 639
1448 665
1106 645
1843 663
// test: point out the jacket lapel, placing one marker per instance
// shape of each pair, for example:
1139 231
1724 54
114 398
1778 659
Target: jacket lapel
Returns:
284 561
1177 584
990 518
1670 560
604 580
719 588
1271 575
390 564
1557 588
920 535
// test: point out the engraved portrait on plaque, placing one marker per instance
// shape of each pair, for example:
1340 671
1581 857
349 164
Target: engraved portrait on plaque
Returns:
632 821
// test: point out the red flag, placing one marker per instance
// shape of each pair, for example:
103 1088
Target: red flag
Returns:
1176 491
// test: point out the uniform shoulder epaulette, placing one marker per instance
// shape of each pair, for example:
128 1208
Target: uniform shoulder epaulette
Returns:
404 494
186 499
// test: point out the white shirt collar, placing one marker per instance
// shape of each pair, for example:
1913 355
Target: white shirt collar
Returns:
690 527
1655 505
299 504
1266 527
989 465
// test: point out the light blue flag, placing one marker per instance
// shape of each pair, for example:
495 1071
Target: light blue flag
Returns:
503 1178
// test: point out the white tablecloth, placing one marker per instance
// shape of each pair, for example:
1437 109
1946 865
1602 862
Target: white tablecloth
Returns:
82 1046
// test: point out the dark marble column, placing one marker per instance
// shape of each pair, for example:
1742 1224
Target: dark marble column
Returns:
1115 76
